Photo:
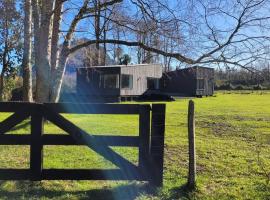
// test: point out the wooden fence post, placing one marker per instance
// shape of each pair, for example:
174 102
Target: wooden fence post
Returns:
36 148
157 144
191 146
144 134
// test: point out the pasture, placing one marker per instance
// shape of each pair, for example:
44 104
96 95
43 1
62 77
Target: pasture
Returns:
233 153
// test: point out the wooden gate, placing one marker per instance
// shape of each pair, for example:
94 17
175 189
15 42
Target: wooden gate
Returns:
150 141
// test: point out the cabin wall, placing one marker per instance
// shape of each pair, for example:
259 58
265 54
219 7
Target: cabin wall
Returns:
186 82
88 80
179 82
140 75
207 74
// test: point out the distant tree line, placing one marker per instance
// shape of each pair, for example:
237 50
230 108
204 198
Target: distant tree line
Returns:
240 79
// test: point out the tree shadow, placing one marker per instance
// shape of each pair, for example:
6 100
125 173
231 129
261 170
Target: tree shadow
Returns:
35 190
182 192
22 125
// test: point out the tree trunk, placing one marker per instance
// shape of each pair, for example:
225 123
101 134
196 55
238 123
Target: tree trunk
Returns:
97 33
2 86
43 64
104 47
54 42
55 33
2 76
4 62
36 20
26 63
58 76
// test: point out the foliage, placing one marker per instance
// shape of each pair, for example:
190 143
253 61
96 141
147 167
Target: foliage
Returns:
233 79
125 59
10 84
259 87
10 45
230 86
224 87
10 34
229 128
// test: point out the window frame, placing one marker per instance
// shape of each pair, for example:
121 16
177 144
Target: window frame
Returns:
199 81
156 82
103 81
130 81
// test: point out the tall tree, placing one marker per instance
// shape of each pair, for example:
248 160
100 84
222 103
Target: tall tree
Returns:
10 46
26 63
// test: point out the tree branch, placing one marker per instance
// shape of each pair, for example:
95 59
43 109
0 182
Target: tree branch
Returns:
177 56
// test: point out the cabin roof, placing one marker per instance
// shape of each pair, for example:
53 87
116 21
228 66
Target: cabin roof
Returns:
121 66
201 67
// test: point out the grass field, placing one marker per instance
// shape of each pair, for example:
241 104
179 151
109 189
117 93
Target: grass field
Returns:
233 154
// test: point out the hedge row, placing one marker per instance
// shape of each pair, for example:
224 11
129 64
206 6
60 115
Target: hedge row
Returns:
242 87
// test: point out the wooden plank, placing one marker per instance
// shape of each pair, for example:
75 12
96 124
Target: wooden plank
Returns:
15 139
15 106
191 146
94 108
14 174
14 119
157 143
90 174
54 139
128 141
144 133
81 136
36 148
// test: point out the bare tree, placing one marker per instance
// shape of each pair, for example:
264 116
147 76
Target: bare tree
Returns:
10 46
50 60
26 63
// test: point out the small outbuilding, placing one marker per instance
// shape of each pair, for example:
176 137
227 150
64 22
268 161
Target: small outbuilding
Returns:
116 83
193 81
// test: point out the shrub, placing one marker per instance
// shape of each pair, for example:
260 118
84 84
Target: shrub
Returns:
10 84
242 87
225 87
17 94
259 87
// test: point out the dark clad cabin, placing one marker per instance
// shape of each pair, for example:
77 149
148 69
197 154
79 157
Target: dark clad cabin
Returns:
193 81
113 83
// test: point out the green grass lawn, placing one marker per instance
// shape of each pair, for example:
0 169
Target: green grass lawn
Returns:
233 154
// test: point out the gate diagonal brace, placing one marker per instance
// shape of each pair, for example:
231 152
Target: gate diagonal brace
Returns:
89 140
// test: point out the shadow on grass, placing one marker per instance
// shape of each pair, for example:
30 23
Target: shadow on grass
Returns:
36 190
22 125
182 192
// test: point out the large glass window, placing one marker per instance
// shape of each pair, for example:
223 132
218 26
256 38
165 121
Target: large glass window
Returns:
153 83
109 81
200 84
126 81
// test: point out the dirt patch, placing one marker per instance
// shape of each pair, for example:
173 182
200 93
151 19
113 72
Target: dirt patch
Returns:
178 156
258 119
223 128
218 128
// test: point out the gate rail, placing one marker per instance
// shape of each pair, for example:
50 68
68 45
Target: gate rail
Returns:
150 141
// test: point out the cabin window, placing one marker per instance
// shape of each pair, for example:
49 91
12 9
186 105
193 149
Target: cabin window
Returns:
110 81
201 84
153 83
126 81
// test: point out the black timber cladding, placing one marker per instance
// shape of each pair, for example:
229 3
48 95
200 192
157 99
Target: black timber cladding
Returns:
193 81
91 80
